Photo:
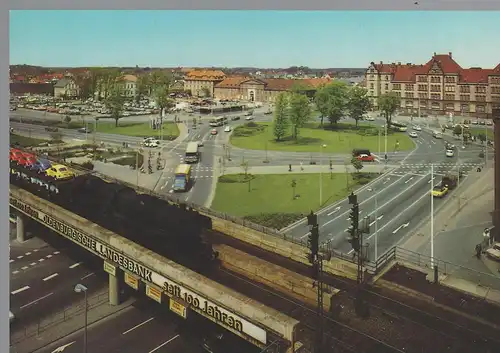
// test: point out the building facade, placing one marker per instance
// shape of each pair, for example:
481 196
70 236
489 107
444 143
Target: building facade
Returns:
263 90
439 87
66 88
201 83
129 83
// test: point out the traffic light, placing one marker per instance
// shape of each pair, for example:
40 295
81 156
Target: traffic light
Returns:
354 226
315 270
313 240
312 219
354 241
354 216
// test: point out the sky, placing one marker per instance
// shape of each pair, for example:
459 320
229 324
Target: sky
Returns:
266 39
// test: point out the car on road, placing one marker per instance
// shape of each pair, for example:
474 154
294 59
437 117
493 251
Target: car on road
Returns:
474 122
450 153
439 190
234 118
26 160
213 132
489 123
369 118
41 165
200 143
249 113
51 129
84 130
413 134
269 112
494 252
249 118
227 128
417 128
363 155
59 172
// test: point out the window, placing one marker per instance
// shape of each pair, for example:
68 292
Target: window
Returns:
422 95
450 106
396 86
481 89
495 90
435 96
409 87
449 97
371 85
449 88
464 89
464 108
422 87
387 78
386 86
422 78
450 79
480 108
481 98
435 88
465 97
398 94
435 79
495 80
409 94
495 99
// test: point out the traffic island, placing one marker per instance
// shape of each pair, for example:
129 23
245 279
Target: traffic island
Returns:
276 200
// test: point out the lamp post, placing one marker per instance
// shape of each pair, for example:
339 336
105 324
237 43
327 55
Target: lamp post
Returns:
79 288
432 216
376 223
321 175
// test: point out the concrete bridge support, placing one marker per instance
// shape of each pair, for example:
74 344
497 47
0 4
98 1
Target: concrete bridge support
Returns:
114 289
20 232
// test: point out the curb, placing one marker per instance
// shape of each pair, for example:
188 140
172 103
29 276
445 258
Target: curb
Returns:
326 208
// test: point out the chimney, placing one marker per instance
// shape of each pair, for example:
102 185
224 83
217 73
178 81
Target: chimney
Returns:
408 64
449 54
434 53
399 62
381 62
393 64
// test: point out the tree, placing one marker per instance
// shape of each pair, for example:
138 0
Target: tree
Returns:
300 87
142 87
163 100
67 119
299 112
482 137
331 101
158 79
388 104
457 130
115 101
280 116
358 103
357 164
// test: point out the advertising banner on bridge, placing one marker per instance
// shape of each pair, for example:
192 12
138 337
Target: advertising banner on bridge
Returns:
109 268
132 281
153 293
178 308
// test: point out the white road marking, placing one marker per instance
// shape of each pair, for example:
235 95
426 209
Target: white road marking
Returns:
11 261
20 256
410 179
56 252
33 264
378 219
87 275
75 265
24 268
48 256
164 343
139 325
62 348
20 290
35 301
35 250
51 276
27 254
41 260
334 211
431 180
401 226
15 272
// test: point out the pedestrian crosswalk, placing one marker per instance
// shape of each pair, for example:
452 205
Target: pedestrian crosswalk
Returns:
439 168
439 165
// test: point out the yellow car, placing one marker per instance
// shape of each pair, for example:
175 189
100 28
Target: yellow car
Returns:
59 172
439 191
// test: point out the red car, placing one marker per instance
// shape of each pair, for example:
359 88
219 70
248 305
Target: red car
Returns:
27 161
365 158
15 155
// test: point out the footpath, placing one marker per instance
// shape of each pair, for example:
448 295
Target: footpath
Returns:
310 169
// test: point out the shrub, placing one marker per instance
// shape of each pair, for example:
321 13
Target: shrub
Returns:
274 220
88 165
235 178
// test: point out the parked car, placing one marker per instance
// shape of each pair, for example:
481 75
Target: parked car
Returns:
15 155
213 132
227 128
26 161
59 172
41 165
494 252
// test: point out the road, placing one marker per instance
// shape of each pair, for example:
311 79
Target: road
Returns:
143 328
43 275
402 199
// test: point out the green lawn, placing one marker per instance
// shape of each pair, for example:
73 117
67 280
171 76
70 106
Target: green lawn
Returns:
272 195
481 130
24 141
342 140
125 128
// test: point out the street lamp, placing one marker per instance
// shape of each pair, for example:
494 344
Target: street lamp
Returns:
321 174
432 216
79 288
376 223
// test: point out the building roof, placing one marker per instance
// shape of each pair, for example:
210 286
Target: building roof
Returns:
129 78
316 82
232 82
445 62
62 83
205 75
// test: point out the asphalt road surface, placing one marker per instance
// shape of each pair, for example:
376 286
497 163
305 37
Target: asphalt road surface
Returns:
144 328
43 276
395 204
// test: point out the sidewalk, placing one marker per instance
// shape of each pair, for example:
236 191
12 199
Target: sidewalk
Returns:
71 324
310 169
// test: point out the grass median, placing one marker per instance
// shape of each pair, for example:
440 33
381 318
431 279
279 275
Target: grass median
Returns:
24 141
273 201
342 138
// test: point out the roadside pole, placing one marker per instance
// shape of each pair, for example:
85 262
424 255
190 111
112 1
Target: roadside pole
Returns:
432 216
